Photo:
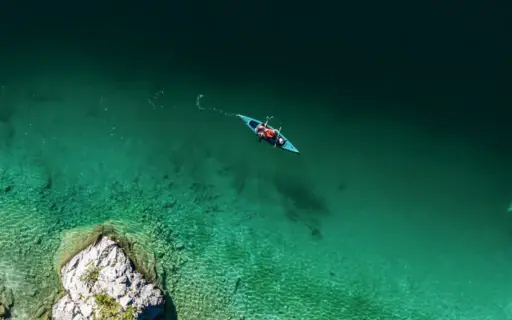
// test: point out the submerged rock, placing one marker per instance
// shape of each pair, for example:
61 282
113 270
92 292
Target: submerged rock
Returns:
101 282
6 299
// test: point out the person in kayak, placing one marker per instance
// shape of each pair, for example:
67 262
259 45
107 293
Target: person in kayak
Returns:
266 133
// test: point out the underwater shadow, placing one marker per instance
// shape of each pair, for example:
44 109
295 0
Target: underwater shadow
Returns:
300 194
151 312
303 204
169 309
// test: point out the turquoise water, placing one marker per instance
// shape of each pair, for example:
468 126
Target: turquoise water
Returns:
380 218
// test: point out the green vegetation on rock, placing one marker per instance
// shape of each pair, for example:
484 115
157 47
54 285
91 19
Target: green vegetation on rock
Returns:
91 275
110 309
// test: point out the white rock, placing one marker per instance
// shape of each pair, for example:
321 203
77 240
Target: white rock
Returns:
115 278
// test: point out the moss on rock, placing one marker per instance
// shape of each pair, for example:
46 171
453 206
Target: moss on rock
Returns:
91 275
110 309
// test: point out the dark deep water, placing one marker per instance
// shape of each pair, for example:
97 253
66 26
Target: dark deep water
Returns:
442 60
402 112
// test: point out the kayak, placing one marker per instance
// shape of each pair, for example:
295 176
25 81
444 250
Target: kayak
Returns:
253 123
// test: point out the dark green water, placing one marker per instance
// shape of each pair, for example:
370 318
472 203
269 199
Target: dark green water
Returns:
395 209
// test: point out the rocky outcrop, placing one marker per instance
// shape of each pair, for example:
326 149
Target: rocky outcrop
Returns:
6 301
101 282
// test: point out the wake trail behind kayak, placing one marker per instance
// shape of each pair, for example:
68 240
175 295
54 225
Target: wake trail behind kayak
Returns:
212 109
